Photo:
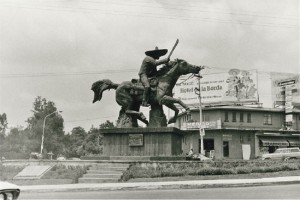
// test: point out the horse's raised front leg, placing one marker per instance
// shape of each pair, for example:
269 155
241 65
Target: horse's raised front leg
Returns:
172 107
169 102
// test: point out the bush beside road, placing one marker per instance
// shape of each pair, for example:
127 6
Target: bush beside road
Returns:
204 169
66 172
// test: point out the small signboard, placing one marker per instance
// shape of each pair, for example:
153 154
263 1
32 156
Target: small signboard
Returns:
202 132
288 82
135 140
227 137
206 125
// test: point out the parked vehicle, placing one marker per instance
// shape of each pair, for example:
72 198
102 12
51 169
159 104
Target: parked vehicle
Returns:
8 191
61 158
75 159
283 154
35 156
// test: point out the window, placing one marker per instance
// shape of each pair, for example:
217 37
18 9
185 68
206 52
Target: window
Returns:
233 116
241 117
267 119
249 117
226 117
249 138
241 139
206 118
186 118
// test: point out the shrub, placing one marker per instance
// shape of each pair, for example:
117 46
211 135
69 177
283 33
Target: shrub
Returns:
243 170
66 172
170 169
215 171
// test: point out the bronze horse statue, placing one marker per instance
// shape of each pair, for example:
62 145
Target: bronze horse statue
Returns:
129 93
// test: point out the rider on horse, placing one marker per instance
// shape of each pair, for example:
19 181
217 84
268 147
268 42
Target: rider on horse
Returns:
148 69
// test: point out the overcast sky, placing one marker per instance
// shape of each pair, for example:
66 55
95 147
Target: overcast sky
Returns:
57 48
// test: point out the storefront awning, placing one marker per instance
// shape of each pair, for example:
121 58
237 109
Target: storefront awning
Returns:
274 141
294 142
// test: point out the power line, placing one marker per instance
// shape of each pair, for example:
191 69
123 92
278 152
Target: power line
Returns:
66 74
182 7
154 15
82 73
90 119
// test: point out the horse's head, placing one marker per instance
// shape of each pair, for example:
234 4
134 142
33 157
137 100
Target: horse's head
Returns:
184 67
100 86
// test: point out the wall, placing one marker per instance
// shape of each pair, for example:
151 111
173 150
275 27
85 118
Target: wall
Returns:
156 142
236 139
257 120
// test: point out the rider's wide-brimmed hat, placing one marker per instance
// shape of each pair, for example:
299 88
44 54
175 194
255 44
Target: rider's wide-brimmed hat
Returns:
156 52
234 71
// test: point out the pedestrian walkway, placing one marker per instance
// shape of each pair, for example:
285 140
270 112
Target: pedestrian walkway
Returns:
162 185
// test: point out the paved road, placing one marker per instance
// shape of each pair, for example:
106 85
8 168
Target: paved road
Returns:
260 192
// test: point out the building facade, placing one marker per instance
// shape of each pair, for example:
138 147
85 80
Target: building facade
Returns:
238 132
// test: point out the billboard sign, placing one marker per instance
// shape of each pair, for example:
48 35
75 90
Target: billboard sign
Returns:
231 87
205 125
285 90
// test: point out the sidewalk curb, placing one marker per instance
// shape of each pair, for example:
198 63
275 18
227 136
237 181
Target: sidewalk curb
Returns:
163 185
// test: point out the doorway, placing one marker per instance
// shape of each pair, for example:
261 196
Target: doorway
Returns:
209 145
225 148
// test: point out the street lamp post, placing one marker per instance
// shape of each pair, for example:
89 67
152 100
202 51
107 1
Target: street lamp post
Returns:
42 144
201 128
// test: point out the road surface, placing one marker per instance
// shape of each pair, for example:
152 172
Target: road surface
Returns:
258 192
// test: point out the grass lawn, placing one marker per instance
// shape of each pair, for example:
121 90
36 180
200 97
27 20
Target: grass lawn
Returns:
217 177
66 172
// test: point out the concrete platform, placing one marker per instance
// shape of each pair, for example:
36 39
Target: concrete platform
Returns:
33 172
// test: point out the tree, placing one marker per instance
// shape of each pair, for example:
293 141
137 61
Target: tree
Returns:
17 144
3 127
54 133
91 144
107 124
74 142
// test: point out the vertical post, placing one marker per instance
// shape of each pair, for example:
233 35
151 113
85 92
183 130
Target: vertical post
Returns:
201 130
1 160
43 135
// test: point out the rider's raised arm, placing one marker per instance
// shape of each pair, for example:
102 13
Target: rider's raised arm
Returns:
162 61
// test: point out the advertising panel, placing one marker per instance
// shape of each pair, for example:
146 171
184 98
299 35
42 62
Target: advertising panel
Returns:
285 90
231 87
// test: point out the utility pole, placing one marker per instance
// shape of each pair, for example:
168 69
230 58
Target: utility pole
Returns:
201 129
1 160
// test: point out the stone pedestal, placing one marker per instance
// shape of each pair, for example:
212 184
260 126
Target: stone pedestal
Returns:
157 116
142 142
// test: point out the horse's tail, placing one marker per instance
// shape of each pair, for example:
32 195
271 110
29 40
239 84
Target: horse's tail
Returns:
100 86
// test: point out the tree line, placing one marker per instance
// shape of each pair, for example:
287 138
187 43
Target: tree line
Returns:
20 142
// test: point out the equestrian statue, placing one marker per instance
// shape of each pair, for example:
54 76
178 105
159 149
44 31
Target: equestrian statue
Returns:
154 89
